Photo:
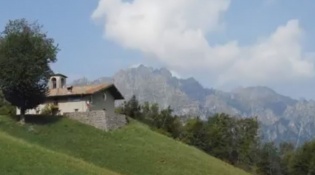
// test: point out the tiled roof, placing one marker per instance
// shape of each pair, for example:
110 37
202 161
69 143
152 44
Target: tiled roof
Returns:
84 90
61 75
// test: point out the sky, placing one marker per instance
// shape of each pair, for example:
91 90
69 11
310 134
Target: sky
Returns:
224 44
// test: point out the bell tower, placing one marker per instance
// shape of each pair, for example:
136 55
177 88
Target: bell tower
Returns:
57 81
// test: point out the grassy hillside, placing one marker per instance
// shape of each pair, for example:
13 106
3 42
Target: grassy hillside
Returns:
20 157
132 150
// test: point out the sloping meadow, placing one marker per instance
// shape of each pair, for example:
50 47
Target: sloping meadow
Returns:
132 150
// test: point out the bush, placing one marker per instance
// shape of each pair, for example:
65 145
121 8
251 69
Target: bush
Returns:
7 110
49 109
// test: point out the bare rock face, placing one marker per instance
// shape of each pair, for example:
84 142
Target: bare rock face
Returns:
282 118
155 86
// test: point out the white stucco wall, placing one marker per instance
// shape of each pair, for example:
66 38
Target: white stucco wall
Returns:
31 111
60 82
72 106
80 103
99 103
65 105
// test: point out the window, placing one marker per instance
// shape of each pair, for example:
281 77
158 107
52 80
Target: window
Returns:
76 110
54 83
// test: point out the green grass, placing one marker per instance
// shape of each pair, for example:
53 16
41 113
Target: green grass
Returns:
20 157
132 150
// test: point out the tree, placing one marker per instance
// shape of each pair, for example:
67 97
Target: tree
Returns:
25 55
220 129
195 133
247 140
150 113
231 139
132 108
303 161
286 151
269 159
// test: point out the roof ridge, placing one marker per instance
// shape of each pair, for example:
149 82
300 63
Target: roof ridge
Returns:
82 90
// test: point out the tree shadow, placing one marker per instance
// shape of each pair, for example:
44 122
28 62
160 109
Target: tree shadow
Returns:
39 119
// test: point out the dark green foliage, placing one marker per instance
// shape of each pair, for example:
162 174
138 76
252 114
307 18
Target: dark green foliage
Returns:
232 139
194 133
161 120
131 108
269 160
286 151
223 137
228 138
25 55
5 107
303 161
151 113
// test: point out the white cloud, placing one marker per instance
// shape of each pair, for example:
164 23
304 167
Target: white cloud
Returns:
175 74
135 65
174 32
278 57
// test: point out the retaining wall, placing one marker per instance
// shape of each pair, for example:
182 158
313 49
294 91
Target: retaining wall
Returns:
99 119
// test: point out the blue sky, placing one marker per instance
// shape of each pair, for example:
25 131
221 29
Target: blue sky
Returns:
83 51
220 42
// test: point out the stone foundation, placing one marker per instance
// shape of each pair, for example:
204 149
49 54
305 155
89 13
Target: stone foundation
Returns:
99 119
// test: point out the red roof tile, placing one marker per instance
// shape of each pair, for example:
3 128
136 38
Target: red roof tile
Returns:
84 90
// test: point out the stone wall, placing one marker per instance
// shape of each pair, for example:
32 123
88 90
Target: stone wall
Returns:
99 119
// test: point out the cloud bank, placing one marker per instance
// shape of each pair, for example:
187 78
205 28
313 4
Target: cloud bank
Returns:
174 32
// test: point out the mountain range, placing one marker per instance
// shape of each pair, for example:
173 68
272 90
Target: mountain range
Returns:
282 118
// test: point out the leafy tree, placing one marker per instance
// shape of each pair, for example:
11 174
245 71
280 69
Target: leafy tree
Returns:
246 137
164 118
231 139
269 160
221 130
195 133
25 55
132 108
303 161
286 151
175 127
150 113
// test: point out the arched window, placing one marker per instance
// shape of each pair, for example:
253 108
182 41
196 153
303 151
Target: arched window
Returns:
54 83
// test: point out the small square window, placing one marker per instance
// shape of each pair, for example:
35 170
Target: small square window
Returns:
76 110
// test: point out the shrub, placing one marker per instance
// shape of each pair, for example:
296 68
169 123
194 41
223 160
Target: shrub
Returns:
7 110
49 109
